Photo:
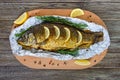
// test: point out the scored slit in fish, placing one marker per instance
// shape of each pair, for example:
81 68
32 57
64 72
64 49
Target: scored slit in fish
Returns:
56 36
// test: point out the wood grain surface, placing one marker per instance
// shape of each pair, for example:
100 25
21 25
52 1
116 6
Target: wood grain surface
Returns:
107 69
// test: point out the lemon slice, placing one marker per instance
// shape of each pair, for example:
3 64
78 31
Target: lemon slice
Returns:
83 62
47 32
76 12
57 32
79 38
21 19
67 34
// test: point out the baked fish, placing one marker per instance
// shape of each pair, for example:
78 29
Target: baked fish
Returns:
55 36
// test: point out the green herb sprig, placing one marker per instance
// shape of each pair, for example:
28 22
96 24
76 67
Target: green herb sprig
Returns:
62 21
22 32
70 52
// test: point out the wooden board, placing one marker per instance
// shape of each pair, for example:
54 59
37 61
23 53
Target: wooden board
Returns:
49 63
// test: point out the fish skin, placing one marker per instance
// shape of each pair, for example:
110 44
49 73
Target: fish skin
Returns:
35 38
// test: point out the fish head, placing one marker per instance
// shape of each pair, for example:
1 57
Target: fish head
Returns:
27 39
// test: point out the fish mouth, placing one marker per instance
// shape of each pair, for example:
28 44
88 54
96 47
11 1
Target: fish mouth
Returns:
58 37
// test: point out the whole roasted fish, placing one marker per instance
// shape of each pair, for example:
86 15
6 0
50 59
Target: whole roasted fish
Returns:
56 36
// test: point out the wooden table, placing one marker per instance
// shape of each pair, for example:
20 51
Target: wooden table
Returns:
107 69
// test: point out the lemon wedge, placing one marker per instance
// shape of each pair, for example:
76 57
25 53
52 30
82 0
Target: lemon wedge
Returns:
47 32
76 12
83 62
67 34
79 38
57 32
21 19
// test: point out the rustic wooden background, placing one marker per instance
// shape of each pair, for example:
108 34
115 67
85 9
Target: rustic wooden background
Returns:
107 69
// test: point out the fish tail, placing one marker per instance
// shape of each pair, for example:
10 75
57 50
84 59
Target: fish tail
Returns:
98 36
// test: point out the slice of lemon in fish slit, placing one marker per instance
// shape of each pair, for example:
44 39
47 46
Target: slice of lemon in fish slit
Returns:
83 62
67 33
57 32
79 38
47 32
